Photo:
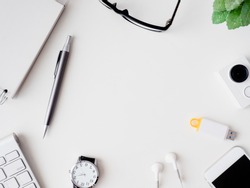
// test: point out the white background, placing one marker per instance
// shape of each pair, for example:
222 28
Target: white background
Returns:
128 95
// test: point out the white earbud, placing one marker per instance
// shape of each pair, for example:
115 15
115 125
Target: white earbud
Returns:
157 168
172 158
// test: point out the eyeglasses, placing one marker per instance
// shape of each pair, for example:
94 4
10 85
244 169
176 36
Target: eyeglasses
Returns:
125 14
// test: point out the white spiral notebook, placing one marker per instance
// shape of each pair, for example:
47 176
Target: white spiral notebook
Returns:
25 27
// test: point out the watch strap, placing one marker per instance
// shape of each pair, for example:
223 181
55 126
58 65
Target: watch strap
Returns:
83 158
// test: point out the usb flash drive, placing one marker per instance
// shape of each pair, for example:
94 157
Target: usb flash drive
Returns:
212 128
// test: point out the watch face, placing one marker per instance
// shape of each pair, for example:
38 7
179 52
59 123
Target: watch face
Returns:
84 174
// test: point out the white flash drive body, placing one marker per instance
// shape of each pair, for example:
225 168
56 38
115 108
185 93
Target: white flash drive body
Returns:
212 128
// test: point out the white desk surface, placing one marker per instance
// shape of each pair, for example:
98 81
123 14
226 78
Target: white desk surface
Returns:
128 95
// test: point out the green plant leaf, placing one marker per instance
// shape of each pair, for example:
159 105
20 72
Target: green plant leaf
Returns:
219 5
245 13
232 4
234 19
219 17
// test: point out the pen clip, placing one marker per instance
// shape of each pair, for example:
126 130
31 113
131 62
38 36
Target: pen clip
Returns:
57 64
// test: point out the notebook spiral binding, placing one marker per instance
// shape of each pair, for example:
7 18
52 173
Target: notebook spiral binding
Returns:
3 96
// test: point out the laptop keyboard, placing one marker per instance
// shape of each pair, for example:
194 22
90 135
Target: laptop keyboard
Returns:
14 169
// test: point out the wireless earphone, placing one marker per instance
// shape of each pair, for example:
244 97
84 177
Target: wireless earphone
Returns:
157 168
172 158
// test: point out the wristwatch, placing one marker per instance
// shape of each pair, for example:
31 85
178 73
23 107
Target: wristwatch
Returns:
84 174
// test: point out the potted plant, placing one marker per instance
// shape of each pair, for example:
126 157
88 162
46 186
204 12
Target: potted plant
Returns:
236 13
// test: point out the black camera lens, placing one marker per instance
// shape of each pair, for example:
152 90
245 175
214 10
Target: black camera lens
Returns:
239 73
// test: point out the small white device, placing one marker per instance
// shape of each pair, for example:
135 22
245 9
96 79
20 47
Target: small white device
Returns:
14 168
157 168
212 128
231 170
236 78
171 158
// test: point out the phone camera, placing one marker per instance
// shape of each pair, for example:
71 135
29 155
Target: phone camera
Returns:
239 73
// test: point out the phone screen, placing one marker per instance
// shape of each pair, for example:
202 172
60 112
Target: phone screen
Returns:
237 175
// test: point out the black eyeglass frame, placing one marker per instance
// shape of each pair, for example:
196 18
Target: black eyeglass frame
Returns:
125 14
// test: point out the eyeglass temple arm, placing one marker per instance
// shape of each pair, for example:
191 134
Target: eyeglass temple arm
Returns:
147 25
140 23
175 10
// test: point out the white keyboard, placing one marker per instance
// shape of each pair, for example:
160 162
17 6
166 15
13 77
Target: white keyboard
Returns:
14 169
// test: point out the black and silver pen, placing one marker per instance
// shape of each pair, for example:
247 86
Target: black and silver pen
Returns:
58 77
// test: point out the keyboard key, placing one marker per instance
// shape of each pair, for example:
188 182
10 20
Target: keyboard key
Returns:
14 167
2 161
11 183
12 155
24 178
2 175
30 186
